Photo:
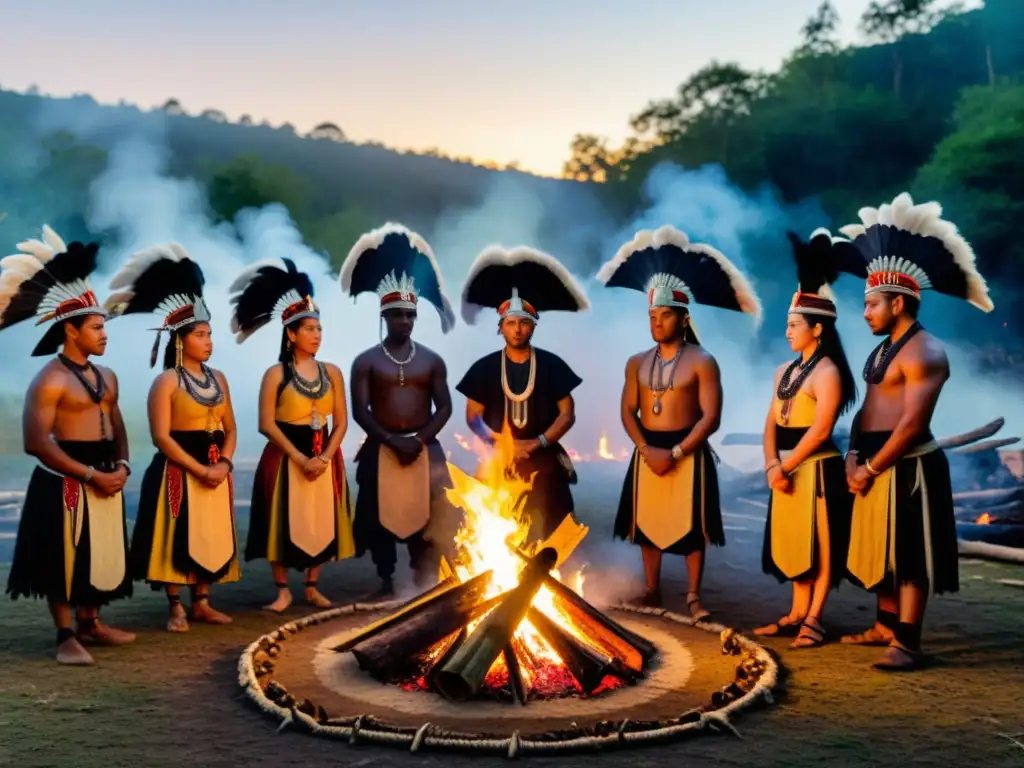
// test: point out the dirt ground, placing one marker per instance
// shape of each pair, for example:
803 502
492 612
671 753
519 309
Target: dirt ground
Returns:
174 700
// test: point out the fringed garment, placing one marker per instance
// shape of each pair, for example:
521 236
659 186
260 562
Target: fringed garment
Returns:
679 512
72 543
185 531
903 530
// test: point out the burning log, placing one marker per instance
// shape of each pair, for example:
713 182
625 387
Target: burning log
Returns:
420 602
515 674
966 438
619 642
587 666
395 650
463 675
456 642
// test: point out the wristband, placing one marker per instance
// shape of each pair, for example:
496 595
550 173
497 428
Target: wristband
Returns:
871 470
677 452
543 441
226 460
124 463
89 472
772 465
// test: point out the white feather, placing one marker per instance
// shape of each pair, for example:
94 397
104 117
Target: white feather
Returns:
746 298
246 275
142 260
52 239
498 255
923 219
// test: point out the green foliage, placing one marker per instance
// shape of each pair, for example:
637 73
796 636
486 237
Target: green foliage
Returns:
250 182
978 172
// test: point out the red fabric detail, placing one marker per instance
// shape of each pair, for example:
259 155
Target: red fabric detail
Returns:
676 296
175 481
267 471
293 309
87 299
813 301
213 455
339 473
882 279
318 443
527 307
392 298
71 490
180 315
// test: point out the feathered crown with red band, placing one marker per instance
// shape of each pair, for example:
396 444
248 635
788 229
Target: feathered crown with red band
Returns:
499 278
673 272
910 248
48 279
399 266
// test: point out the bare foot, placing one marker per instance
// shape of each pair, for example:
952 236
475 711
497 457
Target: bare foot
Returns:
876 635
101 634
202 611
72 653
313 596
284 599
177 622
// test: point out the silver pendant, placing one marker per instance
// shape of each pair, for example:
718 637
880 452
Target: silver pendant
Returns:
656 408
315 424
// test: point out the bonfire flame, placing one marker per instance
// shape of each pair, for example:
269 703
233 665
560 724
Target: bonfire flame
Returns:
496 528
984 519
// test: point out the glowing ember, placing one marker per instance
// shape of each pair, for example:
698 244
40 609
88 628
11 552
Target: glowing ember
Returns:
495 525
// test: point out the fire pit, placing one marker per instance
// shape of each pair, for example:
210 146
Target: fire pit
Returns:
504 627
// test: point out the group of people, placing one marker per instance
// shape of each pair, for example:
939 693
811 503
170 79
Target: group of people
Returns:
881 516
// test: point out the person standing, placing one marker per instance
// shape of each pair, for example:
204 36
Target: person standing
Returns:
72 544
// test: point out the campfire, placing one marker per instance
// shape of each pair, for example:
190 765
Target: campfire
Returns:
502 622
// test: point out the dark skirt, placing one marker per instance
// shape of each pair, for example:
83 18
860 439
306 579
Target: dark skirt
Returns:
271 483
705 491
154 511
366 527
38 569
830 484
910 566
549 500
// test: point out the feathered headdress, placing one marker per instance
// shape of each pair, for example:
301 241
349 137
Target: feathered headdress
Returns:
911 248
818 264
48 279
520 282
672 271
161 279
265 291
399 266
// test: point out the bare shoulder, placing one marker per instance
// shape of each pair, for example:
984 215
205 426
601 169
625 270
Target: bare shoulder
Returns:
825 373
365 359
221 378
635 360
51 377
164 381
274 374
108 375
334 371
925 355
700 358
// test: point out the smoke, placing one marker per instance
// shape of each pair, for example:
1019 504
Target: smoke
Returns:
142 204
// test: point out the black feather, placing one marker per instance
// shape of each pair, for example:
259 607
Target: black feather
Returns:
76 263
929 253
820 261
709 284
254 305
163 278
492 286
396 254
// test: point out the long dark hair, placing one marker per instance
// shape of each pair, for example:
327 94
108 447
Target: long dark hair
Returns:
286 356
170 351
832 348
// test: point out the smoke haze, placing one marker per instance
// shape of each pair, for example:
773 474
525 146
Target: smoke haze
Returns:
138 200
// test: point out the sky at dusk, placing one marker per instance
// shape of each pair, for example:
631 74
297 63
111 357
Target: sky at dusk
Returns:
509 80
